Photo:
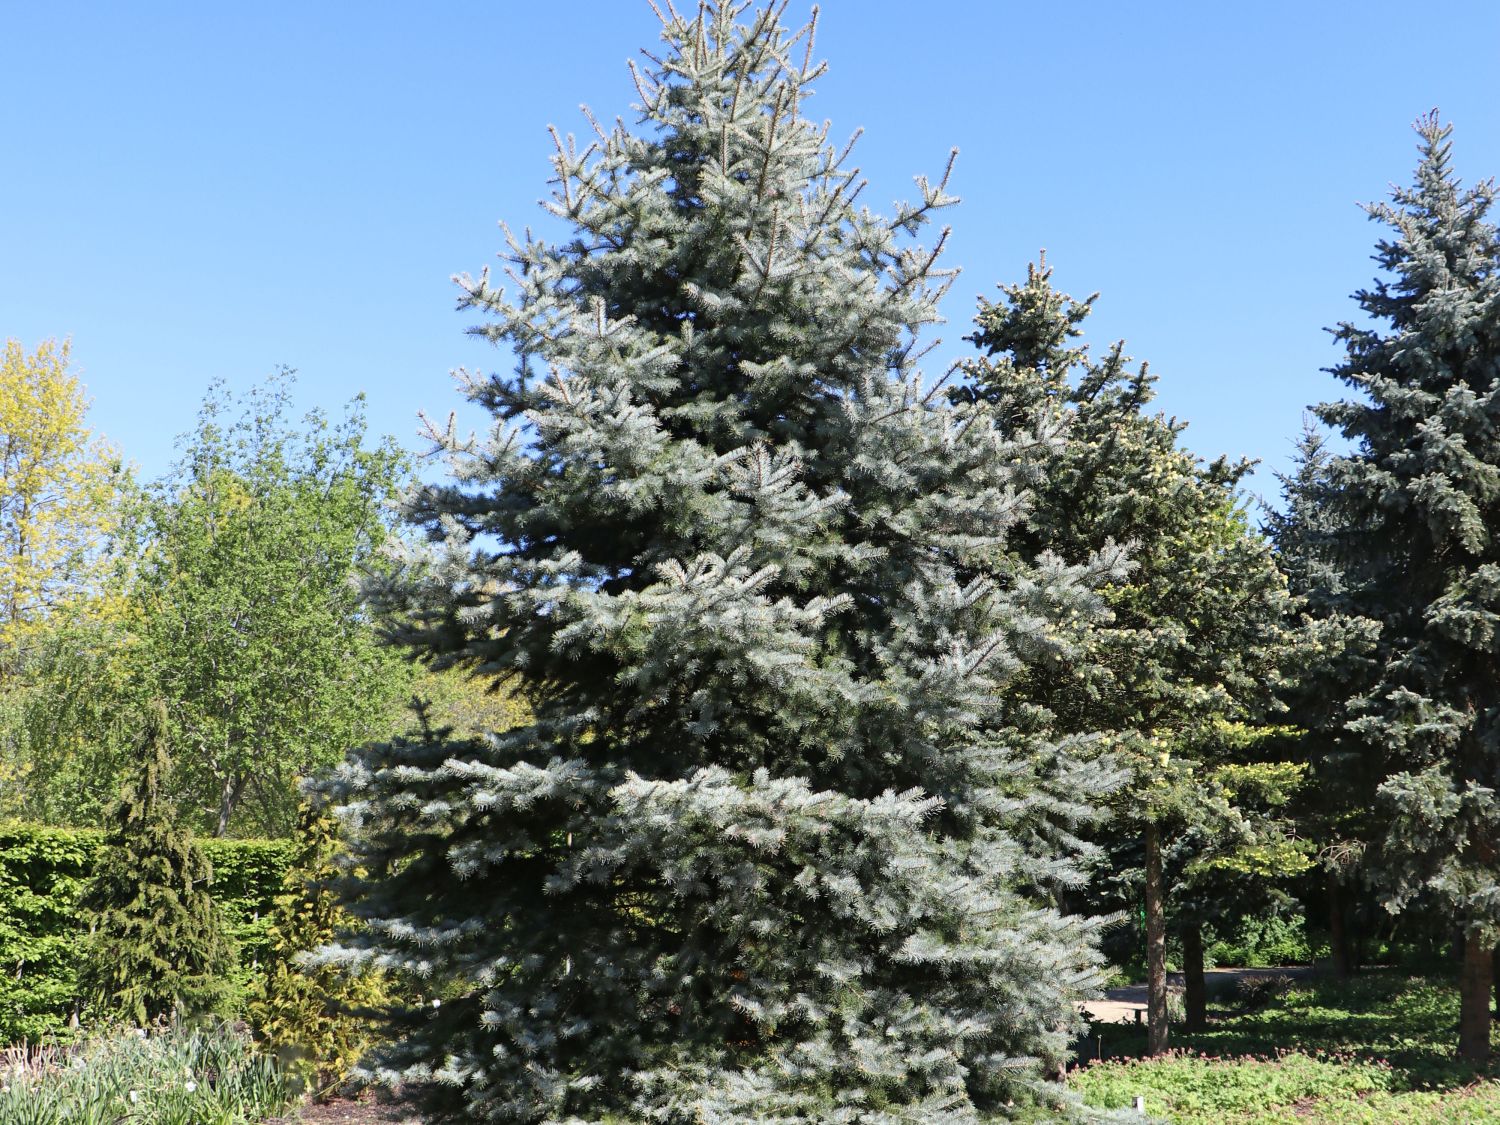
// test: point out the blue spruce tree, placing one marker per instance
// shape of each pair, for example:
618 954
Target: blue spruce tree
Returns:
1417 504
773 846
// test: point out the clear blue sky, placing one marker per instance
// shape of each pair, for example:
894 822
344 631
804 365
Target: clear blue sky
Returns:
195 191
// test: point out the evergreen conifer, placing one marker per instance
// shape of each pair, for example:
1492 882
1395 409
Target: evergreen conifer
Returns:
1417 502
1182 675
1337 812
157 947
771 846
315 1017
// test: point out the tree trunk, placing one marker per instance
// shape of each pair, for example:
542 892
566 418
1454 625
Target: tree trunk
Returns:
1474 999
1495 977
229 799
1194 988
1156 945
1338 936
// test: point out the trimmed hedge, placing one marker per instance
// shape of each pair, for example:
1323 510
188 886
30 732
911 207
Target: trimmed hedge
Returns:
42 872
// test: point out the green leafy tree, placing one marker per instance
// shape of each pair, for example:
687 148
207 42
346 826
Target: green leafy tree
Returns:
772 845
69 737
58 491
1417 501
1181 675
245 613
315 1017
157 945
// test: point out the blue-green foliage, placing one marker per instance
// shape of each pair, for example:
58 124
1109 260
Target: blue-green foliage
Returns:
776 845
1411 513
42 873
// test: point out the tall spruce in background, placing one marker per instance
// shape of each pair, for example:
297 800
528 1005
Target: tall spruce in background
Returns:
158 945
1337 811
1182 674
766 850
1418 501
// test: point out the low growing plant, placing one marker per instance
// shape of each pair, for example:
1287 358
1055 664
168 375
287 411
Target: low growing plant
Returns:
176 1075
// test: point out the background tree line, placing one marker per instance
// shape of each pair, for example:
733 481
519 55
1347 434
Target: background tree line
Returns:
228 591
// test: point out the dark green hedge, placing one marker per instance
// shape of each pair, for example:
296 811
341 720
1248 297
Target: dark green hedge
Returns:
42 871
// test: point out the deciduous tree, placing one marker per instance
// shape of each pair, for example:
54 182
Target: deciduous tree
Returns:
58 490
246 615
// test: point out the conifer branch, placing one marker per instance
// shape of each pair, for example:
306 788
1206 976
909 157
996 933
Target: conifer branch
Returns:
812 34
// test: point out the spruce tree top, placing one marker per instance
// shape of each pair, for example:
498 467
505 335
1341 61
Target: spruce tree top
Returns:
716 471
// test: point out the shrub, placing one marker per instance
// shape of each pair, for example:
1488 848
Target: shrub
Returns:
156 944
1257 992
312 1015
1265 941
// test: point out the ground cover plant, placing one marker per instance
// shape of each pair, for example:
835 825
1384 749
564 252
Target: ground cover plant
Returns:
177 1075
1377 1049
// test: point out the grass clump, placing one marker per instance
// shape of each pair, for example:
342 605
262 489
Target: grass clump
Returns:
176 1075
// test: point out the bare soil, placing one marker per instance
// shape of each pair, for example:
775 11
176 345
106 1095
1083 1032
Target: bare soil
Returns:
350 1111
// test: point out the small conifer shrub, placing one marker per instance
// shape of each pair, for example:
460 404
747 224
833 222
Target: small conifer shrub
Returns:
157 945
314 1017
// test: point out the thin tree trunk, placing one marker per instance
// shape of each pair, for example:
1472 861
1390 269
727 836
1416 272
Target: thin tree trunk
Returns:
1474 999
1338 936
1495 977
1194 988
229 799
1156 945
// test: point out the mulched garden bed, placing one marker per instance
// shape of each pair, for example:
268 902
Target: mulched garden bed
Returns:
349 1111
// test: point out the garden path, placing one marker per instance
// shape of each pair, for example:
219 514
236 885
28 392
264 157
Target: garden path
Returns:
1120 1005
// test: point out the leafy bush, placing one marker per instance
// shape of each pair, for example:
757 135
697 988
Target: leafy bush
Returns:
176 1076
313 1016
1265 941
43 871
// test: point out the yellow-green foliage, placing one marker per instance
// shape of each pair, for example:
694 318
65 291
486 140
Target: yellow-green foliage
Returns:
312 1015
57 489
472 706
